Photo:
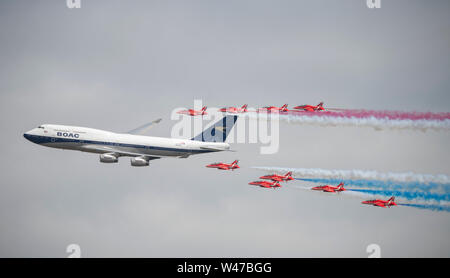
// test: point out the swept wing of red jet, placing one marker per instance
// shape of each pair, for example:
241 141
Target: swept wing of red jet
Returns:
235 110
278 178
266 184
192 112
224 166
330 188
381 203
311 108
274 109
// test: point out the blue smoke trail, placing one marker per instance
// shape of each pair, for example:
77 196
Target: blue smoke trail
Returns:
425 195
388 185
427 206
406 194
413 191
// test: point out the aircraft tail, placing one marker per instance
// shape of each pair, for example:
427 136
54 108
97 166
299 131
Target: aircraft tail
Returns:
391 200
234 162
284 107
244 107
320 104
341 186
288 174
219 131
204 109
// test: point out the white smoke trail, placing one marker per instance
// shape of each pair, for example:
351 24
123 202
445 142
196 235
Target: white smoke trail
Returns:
381 195
400 200
377 124
360 174
403 198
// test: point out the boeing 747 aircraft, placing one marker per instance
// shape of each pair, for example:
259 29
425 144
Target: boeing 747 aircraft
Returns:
140 148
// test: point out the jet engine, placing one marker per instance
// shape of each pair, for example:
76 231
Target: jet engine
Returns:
139 161
108 158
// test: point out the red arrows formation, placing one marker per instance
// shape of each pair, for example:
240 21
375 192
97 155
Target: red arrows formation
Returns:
273 181
243 109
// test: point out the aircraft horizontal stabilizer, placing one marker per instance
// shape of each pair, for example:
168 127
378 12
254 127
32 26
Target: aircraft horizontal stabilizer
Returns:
215 149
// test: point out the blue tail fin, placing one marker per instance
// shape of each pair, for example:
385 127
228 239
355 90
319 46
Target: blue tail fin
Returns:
219 131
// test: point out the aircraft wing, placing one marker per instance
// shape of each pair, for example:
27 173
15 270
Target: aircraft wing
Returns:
144 128
108 149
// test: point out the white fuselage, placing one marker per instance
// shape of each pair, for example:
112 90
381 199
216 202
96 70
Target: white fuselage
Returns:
100 141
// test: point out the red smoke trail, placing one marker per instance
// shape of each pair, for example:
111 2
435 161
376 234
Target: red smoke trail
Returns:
391 115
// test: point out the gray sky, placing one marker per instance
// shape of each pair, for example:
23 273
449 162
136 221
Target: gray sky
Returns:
115 65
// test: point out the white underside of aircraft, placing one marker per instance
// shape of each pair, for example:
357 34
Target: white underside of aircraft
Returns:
142 149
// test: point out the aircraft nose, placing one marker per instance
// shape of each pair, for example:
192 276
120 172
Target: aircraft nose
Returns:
30 136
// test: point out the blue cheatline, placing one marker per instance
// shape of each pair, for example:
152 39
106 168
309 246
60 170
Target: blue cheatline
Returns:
428 206
390 185
409 195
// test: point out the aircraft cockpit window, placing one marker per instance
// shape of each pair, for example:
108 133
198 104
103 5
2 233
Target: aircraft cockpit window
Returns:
41 127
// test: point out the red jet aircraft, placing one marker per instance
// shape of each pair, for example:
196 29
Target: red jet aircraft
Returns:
329 188
381 203
224 166
266 184
192 112
311 108
271 109
243 109
278 178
